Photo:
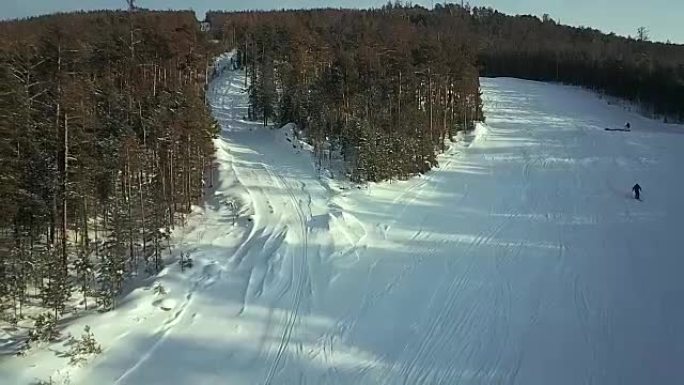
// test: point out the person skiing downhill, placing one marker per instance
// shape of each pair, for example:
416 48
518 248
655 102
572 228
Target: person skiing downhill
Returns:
637 190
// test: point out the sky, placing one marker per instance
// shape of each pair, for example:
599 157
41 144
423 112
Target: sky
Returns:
663 18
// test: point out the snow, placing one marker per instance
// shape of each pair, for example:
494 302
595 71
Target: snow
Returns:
522 259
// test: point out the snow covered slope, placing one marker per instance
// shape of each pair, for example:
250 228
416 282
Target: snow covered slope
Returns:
521 260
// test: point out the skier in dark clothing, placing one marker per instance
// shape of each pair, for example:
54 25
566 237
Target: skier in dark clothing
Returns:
637 190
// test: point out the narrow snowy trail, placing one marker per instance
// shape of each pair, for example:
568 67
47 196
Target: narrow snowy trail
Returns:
522 259
242 317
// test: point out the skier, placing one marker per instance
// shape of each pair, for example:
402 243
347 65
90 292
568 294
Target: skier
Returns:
637 190
628 126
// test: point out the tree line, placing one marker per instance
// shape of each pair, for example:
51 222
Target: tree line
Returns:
649 74
338 58
105 142
381 90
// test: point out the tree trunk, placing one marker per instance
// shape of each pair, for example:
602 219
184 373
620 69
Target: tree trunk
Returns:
430 96
172 190
64 195
131 254
142 213
188 155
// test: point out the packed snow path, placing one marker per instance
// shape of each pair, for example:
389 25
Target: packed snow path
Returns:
521 260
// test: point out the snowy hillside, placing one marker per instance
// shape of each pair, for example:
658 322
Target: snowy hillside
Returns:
521 260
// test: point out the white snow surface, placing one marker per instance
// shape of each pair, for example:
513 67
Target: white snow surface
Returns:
522 259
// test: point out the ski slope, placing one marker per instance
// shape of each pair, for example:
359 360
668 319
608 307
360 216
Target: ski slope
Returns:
521 260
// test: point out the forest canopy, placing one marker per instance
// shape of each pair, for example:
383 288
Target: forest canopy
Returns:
105 141
382 89
650 74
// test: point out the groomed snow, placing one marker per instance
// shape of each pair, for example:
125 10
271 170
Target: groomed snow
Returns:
521 260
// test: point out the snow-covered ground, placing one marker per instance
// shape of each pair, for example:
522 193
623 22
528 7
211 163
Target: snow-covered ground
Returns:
521 260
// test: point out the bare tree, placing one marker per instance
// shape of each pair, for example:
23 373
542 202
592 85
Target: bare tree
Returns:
642 34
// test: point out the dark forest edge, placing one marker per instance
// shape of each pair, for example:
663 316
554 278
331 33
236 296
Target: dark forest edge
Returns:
649 74
106 143
378 89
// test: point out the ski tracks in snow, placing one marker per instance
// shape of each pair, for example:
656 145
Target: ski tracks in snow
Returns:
276 229
267 239
210 274
303 282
